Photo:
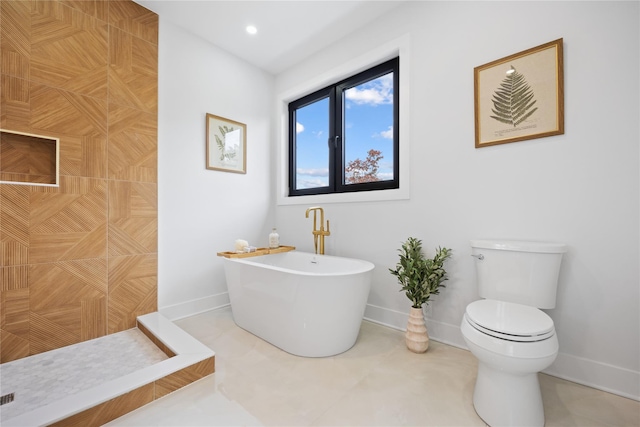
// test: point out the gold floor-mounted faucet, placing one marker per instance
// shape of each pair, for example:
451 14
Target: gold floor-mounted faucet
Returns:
318 233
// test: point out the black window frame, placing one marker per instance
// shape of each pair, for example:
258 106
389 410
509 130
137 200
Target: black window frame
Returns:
336 131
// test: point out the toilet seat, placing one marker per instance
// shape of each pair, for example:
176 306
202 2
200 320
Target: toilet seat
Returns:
509 321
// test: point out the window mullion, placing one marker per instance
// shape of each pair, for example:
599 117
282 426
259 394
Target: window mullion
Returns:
330 144
338 132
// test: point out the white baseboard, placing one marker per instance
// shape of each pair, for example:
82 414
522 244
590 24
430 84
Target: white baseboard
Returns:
441 332
386 317
601 376
605 377
196 306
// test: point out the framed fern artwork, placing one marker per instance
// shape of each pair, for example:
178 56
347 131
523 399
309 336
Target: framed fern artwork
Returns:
520 97
226 145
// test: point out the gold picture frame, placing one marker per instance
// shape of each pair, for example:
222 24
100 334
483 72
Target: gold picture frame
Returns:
226 145
520 97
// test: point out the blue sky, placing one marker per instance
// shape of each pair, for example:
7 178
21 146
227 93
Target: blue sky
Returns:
368 124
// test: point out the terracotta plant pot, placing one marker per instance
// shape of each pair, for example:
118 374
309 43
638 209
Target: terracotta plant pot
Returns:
416 337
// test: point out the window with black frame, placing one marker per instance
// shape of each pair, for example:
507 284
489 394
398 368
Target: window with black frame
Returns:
345 137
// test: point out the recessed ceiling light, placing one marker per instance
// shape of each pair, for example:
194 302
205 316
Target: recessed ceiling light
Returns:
251 29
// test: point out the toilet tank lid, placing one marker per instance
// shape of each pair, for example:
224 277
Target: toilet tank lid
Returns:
520 246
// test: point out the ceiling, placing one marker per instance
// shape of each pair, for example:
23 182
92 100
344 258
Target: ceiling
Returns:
288 31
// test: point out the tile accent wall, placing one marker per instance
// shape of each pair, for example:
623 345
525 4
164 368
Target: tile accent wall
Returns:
79 261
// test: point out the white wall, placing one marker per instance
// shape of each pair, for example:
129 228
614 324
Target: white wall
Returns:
202 212
581 188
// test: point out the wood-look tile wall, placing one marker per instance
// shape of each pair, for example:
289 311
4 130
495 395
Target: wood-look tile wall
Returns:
79 261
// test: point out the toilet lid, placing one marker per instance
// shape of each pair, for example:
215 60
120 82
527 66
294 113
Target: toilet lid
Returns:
510 321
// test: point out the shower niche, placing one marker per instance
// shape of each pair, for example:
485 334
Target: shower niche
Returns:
29 159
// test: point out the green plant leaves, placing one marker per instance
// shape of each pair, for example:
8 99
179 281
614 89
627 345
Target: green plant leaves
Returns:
420 277
513 100
220 143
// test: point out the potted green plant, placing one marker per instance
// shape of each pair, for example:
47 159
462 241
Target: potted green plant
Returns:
419 277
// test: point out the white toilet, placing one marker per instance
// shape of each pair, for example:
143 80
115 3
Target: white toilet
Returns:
512 339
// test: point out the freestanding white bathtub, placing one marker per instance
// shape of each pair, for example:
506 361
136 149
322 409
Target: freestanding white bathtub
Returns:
306 304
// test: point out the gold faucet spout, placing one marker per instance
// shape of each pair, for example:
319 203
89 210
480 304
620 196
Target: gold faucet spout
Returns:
315 209
318 233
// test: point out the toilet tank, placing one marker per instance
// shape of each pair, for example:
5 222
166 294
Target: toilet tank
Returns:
518 271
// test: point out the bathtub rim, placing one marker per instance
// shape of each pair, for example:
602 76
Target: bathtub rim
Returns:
253 261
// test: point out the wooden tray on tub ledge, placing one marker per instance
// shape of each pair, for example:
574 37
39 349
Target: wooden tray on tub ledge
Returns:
258 252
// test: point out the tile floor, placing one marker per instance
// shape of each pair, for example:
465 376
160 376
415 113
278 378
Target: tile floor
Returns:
46 377
376 383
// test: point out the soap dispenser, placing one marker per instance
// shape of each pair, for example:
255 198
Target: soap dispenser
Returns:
274 239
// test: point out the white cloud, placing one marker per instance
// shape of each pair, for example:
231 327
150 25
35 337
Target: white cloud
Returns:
312 178
299 127
313 172
388 134
311 183
365 96
375 92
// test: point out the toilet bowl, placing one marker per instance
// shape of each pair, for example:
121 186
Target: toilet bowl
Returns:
510 336
512 342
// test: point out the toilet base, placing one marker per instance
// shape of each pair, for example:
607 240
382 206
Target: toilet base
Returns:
508 399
